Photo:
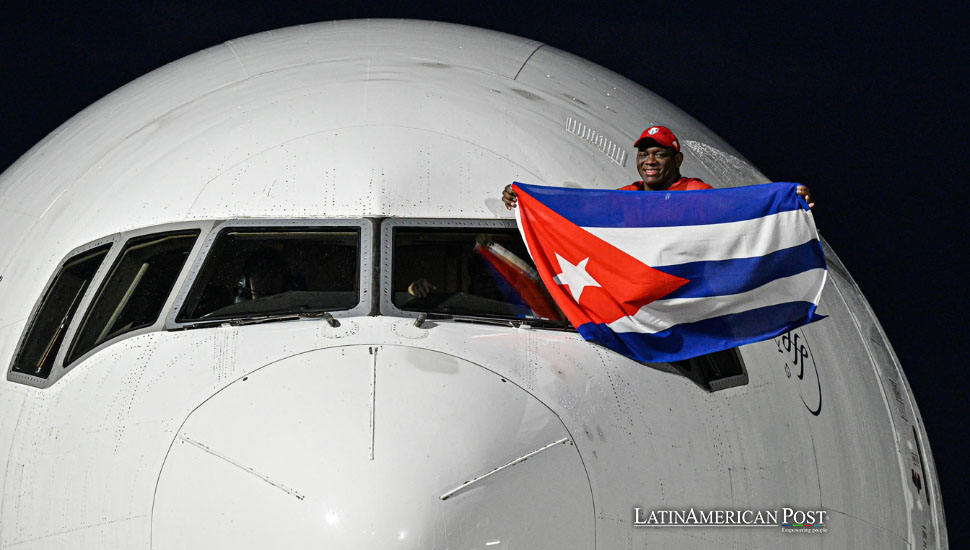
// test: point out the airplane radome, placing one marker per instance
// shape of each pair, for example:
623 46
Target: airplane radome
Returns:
210 340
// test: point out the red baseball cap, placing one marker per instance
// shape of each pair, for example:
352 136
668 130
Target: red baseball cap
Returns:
661 134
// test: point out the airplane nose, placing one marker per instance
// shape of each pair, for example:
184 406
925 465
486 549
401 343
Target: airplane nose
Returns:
372 447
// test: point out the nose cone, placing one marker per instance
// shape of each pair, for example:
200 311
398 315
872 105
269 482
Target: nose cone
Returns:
353 447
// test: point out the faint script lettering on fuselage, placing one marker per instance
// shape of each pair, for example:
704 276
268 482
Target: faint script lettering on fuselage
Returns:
800 366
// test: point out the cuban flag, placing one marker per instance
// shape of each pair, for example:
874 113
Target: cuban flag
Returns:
517 280
666 276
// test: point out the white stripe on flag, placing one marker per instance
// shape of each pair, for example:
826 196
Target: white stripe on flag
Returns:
662 314
663 246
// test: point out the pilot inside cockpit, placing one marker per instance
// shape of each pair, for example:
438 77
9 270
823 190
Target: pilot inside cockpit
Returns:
273 270
266 273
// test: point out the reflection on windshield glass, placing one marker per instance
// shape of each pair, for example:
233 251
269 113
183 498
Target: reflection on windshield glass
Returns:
468 272
271 271
135 291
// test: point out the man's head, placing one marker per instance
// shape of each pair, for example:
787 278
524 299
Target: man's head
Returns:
658 158
265 274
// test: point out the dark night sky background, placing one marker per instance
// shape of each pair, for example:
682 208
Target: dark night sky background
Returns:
868 106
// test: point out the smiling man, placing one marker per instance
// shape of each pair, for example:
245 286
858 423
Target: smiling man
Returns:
658 162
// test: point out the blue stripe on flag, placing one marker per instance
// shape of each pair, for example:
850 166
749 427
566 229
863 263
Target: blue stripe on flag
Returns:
688 340
603 208
723 277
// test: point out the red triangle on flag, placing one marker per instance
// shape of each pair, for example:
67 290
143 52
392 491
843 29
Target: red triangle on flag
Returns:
625 284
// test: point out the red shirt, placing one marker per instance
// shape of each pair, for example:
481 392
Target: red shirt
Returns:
683 184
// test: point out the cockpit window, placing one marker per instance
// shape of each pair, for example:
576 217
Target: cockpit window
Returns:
467 271
57 308
136 290
257 271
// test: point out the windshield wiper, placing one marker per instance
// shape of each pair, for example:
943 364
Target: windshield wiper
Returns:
260 319
500 321
545 324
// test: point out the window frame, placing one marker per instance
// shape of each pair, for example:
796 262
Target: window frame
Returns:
121 239
56 373
206 241
122 246
208 231
387 306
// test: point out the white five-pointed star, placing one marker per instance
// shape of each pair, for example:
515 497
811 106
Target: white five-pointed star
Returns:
574 276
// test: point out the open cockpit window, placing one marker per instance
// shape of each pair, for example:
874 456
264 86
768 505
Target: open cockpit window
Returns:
715 371
137 288
57 308
264 271
467 271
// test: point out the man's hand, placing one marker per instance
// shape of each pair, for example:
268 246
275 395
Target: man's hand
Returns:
806 194
509 197
421 288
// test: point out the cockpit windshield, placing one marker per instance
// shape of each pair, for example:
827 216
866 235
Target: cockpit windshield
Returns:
56 310
463 271
256 271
